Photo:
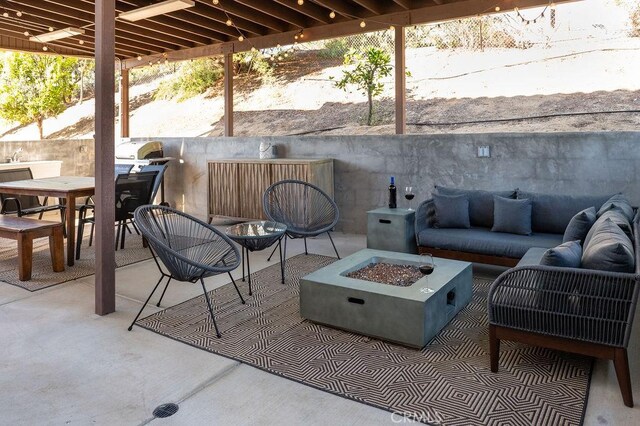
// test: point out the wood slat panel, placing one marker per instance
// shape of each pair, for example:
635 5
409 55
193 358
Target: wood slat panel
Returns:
291 171
254 179
224 191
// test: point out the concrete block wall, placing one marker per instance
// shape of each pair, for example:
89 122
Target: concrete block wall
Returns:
576 163
77 155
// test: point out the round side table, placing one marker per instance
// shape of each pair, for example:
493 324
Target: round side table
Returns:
255 236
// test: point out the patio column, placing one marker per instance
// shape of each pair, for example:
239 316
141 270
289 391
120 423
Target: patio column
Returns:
228 94
401 98
105 293
124 103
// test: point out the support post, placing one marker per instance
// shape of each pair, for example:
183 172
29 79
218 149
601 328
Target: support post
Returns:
228 94
105 292
401 98
124 103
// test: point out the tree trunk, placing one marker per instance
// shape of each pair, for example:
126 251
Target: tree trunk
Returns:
370 115
39 121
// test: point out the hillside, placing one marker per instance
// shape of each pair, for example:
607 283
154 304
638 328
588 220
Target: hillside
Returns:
448 91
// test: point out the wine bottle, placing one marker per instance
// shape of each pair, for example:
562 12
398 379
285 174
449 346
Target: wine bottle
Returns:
392 194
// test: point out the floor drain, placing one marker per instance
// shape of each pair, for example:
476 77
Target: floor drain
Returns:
165 410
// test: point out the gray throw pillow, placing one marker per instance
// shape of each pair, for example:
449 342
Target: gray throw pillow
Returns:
618 217
480 203
566 255
618 202
579 225
609 249
512 216
452 211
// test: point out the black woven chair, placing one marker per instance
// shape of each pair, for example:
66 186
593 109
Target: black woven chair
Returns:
306 210
189 249
132 191
25 205
160 168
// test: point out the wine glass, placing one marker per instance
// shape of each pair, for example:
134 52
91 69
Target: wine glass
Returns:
409 195
427 269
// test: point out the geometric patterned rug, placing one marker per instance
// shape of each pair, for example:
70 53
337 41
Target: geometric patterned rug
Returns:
42 275
448 382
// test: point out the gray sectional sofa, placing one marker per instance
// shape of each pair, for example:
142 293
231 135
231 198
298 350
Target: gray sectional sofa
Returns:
576 280
550 215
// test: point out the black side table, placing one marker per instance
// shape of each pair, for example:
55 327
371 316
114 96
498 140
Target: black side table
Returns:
255 236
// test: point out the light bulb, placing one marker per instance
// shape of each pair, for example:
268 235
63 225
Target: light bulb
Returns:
253 49
215 2
81 41
18 14
392 28
45 48
241 38
5 14
301 35
300 2
332 14
229 23
552 5
26 33
363 24
295 36
139 57
497 9
50 29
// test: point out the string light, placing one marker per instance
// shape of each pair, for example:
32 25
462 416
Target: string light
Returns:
332 14
45 48
139 58
300 2
26 33
5 14
81 41
50 29
534 20
497 9
229 22
215 2
19 14
363 24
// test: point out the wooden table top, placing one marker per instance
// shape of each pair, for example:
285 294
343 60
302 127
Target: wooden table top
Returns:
58 184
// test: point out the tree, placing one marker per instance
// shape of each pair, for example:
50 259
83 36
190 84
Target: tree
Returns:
35 87
370 68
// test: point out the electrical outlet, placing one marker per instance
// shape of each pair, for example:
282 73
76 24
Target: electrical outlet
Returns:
484 151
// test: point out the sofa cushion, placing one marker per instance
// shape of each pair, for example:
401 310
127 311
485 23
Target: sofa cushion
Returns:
483 241
617 202
579 225
480 203
511 216
566 255
552 213
618 217
452 211
608 249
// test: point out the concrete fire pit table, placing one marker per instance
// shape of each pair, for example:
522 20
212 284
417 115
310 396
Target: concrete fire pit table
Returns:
411 315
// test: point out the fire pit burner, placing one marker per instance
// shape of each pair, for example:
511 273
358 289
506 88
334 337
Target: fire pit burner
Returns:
388 273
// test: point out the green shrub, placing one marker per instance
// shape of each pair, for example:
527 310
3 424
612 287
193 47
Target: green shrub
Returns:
252 62
192 78
335 48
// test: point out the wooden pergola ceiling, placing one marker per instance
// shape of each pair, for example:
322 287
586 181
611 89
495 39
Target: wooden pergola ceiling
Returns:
202 30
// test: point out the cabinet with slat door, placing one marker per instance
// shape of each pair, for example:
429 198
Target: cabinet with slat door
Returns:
236 185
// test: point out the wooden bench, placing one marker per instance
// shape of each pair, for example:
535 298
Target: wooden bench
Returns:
24 230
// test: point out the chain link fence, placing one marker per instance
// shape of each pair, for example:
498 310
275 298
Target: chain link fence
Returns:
489 70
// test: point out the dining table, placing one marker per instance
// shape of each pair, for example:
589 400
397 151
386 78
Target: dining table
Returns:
67 188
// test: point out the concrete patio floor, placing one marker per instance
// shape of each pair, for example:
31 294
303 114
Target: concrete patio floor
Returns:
62 364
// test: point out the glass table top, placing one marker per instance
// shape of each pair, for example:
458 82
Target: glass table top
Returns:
257 229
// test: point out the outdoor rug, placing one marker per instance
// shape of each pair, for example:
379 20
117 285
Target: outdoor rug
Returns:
42 275
448 382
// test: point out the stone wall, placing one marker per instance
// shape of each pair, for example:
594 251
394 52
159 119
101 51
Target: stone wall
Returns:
77 155
577 163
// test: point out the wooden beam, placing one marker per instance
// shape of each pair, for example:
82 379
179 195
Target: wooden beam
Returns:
309 9
344 8
282 13
124 103
105 285
228 94
401 84
406 4
371 5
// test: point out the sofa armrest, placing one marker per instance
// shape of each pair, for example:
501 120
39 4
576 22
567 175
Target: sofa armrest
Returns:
581 304
425 216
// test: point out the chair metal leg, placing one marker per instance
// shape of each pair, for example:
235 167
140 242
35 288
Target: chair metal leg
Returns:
242 247
237 289
272 252
124 232
93 228
163 292
146 301
213 318
281 260
249 274
118 234
305 246
334 246
79 239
